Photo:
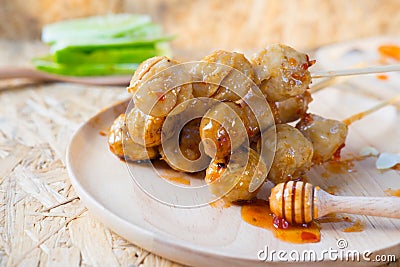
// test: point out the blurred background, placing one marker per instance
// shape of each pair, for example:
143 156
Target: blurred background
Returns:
203 25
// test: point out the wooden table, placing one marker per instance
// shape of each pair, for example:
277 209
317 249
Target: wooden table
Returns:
39 223
43 223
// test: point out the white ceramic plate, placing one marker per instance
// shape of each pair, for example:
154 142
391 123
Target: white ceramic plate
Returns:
217 236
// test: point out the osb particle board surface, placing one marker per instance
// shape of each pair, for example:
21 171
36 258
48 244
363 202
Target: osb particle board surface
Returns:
36 123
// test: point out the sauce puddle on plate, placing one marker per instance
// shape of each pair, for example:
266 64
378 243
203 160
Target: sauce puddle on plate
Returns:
103 133
259 214
350 224
357 226
340 166
176 179
220 203
382 77
396 167
173 176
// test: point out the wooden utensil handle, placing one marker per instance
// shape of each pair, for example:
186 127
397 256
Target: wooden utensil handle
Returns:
356 71
373 206
20 72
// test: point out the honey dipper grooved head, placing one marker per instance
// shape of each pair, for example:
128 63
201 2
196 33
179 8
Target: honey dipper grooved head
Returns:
294 201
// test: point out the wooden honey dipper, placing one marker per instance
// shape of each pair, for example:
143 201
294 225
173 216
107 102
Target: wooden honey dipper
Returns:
299 202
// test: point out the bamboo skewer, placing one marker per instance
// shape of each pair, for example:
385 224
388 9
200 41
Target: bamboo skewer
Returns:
323 83
299 202
356 71
360 115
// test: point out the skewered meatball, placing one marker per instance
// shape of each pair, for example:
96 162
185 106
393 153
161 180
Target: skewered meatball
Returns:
144 129
327 136
238 81
232 181
121 144
157 85
222 129
293 153
209 77
256 119
281 72
145 70
189 142
185 93
293 108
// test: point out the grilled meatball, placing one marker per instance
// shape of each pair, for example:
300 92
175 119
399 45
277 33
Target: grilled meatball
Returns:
144 129
293 153
238 81
231 180
293 108
189 142
121 144
281 72
219 79
222 129
157 84
326 135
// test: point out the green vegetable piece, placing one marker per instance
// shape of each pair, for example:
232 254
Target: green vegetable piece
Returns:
93 27
101 45
91 44
46 64
109 55
145 30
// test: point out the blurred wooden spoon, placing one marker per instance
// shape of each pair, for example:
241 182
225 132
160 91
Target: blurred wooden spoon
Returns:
28 73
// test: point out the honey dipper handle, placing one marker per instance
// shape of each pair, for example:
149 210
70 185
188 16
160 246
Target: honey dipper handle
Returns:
373 206
356 71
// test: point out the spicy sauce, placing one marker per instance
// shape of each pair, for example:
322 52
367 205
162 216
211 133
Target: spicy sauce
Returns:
176 179
331 189
396 167
351 224
165 172
340 166
382 77
220 203
336 156
259 214
357 226
391 51
393 192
